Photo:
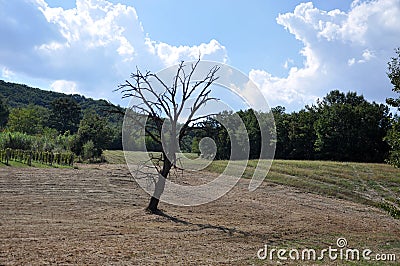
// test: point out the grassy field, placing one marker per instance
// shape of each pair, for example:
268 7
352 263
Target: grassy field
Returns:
94 214
33 164
371 184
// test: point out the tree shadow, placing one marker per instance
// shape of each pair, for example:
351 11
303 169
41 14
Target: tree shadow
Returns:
200 226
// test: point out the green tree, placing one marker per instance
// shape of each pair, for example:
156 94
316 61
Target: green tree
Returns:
349 128
254 132
30 120
88 150
393 140
195 145
301 134
65 115
393 136
394 76
212 127
4 112
96 129
282 122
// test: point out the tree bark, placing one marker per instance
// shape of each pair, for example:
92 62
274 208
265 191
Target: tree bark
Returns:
153 205
159 187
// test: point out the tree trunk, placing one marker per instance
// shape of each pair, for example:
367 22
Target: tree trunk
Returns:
159 187
153 205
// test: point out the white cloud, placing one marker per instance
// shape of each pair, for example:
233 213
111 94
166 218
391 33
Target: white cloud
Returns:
7 73
287 63
171 55
342 50
351 61
65 86
95 45
367 56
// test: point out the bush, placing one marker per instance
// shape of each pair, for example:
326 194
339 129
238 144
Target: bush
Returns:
16 141
88 150
393 139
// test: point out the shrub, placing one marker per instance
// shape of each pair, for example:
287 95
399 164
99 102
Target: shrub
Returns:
88 150
15 140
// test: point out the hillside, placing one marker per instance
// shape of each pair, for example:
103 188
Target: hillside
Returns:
20 95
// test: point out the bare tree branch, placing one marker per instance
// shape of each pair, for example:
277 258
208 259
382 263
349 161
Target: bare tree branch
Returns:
167 105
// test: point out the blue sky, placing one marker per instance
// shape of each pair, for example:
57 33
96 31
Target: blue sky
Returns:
295 51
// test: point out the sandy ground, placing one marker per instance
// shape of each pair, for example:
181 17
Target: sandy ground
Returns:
95 215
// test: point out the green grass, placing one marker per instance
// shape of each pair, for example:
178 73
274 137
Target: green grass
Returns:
371 184
114 157
34 164
118 157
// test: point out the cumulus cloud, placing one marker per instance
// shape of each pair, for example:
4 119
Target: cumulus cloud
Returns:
65 86
7 73
342 50
171 55
90 48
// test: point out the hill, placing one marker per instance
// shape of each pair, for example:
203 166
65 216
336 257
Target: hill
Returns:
20 95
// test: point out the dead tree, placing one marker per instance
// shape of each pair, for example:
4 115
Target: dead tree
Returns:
162 103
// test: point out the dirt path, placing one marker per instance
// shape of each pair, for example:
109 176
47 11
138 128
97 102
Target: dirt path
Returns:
96 216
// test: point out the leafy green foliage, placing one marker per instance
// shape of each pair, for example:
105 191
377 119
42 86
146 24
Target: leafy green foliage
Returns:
50 141
96 129
341 127
65 115
282 122
253 130
15 140
295 133
393 140
46 114
20 96
30 120
27 157
213 128
44 149
391 209
349 128
394 76
393 136
88 150
195 148
4 112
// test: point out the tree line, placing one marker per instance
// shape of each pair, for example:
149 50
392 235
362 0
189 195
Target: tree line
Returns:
340 127
64 127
